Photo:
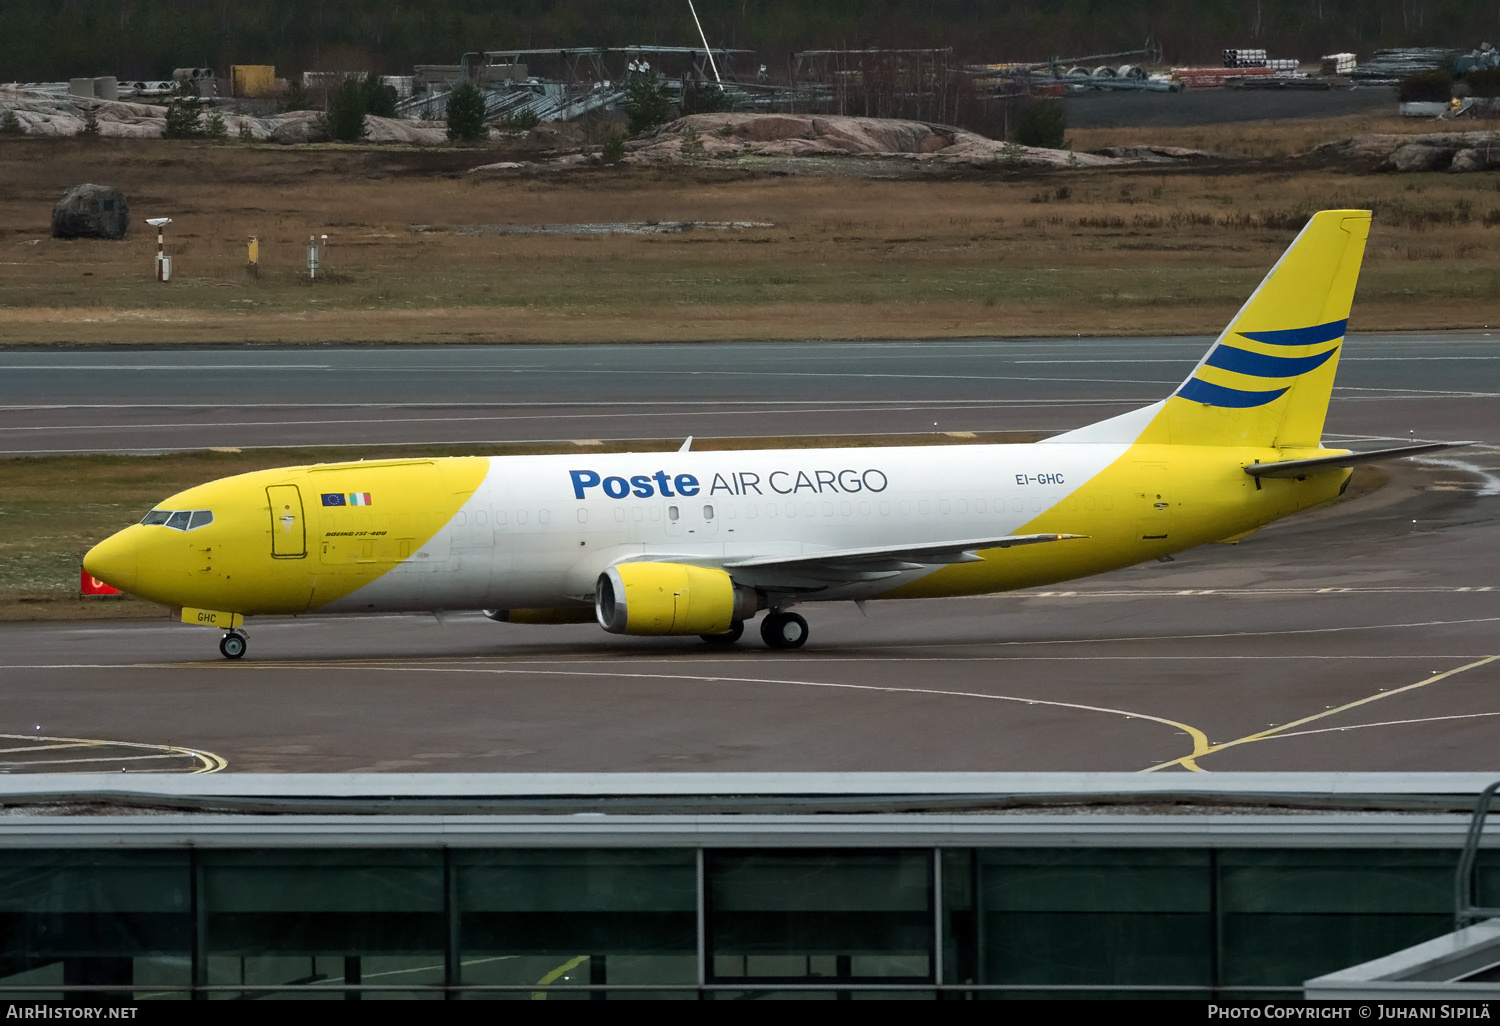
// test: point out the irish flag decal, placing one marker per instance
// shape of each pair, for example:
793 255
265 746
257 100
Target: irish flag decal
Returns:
359 498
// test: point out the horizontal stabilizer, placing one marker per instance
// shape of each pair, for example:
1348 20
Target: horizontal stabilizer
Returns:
930 554
1296 468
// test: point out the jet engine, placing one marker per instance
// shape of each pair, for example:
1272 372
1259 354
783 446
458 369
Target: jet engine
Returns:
670 598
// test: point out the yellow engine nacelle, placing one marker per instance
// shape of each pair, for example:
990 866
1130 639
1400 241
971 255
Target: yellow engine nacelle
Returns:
670 598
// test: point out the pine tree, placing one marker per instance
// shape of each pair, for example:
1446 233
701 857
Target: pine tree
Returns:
466 110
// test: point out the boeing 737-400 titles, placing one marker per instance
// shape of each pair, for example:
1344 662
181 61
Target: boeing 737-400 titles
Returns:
698 543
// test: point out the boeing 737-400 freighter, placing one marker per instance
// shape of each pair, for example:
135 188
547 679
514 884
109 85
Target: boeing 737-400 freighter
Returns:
698 543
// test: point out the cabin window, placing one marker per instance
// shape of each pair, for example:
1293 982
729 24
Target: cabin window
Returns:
791 509
945 507
1018 504
708 512
963 505
543 516
810 509
923 507
655 512
905 508
846 509
1036 505
771 509
672 513
864 509
1088 502
885 509
481 518
520 516
460 519
1107 502
752 511
978 505
500 517
637 514
620 515
583 516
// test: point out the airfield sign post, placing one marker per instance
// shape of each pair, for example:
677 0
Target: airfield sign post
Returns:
163 262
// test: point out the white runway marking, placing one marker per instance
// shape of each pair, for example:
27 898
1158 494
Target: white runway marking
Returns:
1387 723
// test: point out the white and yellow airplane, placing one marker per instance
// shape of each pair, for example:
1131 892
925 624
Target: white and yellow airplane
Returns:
697 543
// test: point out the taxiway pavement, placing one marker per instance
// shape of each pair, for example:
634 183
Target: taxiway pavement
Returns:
1364 636
364 398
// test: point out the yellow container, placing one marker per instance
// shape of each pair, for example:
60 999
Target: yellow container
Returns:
252 79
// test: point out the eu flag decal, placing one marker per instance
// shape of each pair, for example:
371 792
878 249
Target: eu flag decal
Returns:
333 499
359 498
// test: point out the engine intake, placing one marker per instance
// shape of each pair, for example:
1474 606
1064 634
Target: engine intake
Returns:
670 598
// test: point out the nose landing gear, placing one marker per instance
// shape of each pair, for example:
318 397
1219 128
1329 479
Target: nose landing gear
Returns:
783 630
232 645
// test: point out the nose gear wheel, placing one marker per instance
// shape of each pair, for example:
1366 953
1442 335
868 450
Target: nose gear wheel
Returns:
232 645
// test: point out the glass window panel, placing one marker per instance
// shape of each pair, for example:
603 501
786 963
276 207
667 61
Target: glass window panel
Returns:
576 917
1487 876
778 915
1292 915
95 917
1337 881
1095 916
1287 948
1095 880
1098 947
317 919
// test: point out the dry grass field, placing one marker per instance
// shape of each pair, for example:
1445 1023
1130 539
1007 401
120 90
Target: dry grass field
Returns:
1256 140
1139 251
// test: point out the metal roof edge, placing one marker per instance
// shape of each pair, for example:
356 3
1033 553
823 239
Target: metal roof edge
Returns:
1028 830
456 785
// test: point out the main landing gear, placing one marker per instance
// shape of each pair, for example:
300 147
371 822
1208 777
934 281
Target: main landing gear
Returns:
232 645
783 630
777 630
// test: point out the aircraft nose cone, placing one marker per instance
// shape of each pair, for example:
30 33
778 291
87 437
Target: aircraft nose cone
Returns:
113 561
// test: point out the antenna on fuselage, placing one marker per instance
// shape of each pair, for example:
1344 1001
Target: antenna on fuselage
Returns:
687 444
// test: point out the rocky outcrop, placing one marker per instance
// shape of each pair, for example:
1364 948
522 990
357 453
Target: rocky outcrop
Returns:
812 135
1476 159
49 114
91 212
1433 151
1418 157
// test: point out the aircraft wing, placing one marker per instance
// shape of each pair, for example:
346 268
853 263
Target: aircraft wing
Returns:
1297 468
818 569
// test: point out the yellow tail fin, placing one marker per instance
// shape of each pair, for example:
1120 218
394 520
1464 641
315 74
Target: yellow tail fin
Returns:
1267 379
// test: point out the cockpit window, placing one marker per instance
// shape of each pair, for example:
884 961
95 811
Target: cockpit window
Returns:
180 520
